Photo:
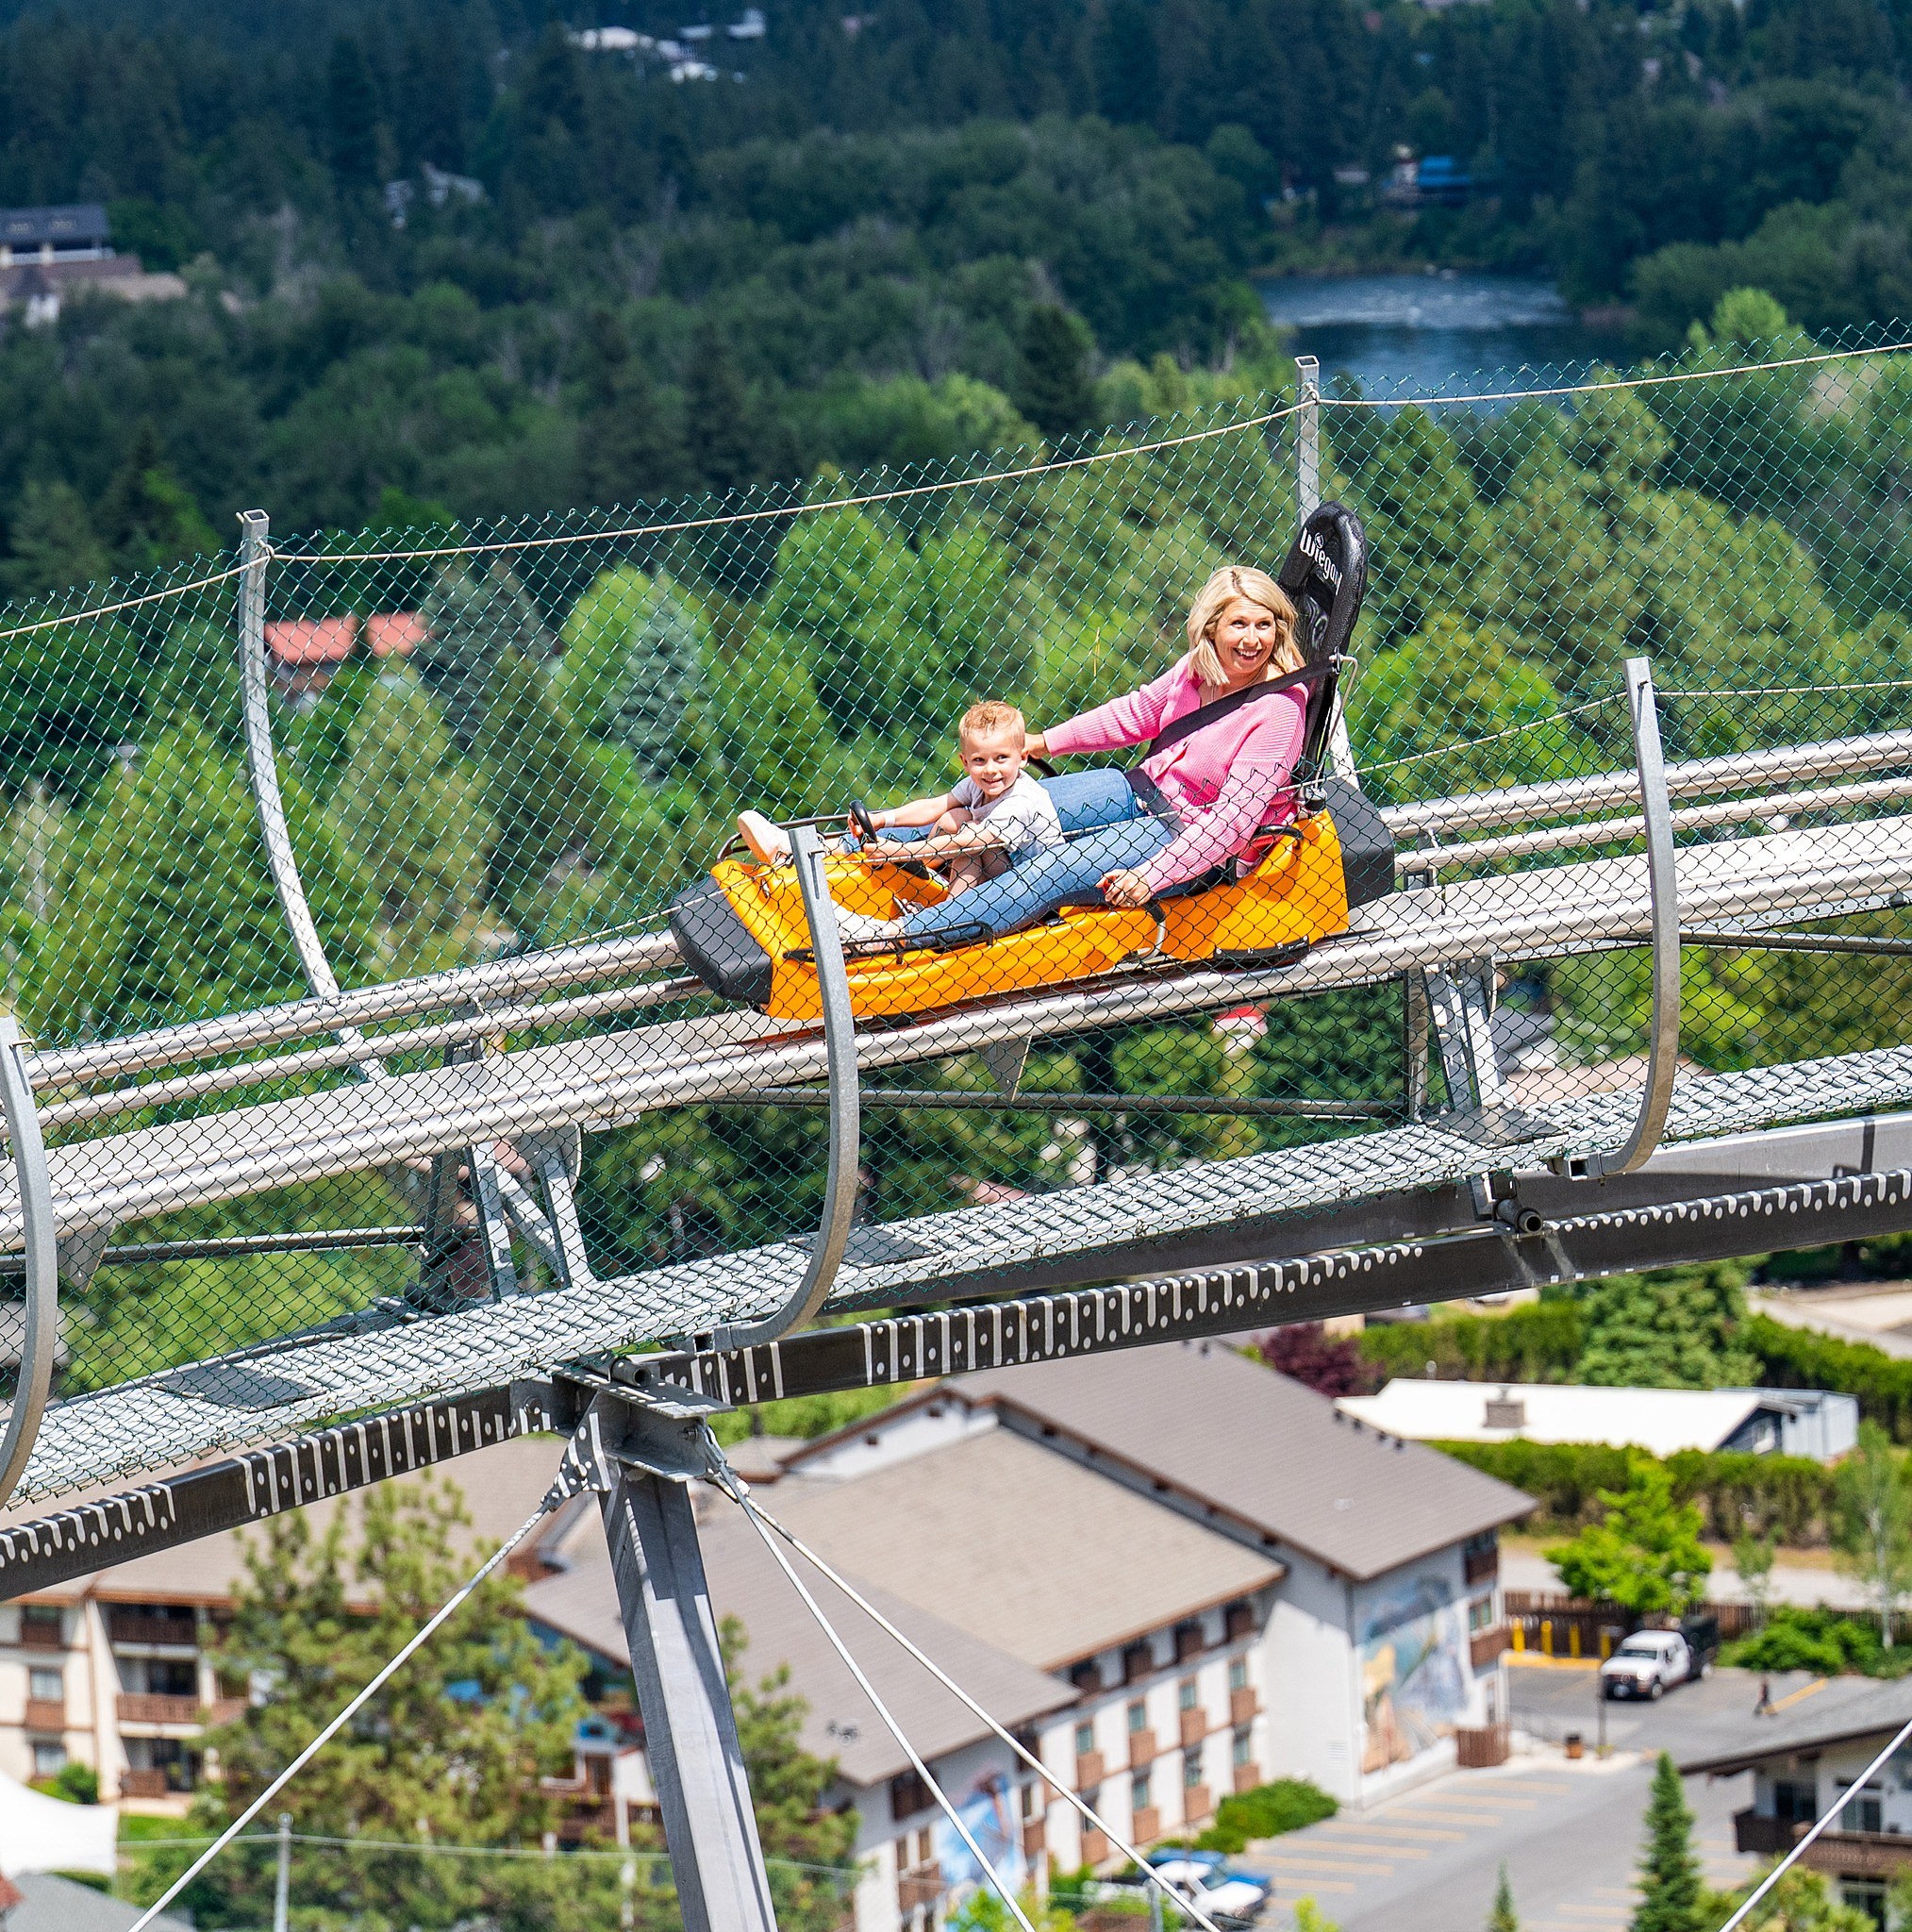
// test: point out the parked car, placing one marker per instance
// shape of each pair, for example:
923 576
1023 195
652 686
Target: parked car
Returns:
1207 1879
1648 1665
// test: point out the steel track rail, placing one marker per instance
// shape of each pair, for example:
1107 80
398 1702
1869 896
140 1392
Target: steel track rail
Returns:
178 1510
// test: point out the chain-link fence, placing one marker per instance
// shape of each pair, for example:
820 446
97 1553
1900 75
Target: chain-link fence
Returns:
489 762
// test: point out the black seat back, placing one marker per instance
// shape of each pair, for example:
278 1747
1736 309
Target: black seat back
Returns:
1325 576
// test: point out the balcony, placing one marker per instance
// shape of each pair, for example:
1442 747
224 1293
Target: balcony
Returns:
141 1626
46 1715
1194 1726
1141 1749
1088 1770
1196 1804
1034 1839
1762 1836
919 1887
1238 1622
1148 1826
1094 1847
1858 1854
147 1708
38 1633
143 1784
1477 1564
1247 1777
1242 1705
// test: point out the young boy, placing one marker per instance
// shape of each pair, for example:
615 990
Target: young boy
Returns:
993 817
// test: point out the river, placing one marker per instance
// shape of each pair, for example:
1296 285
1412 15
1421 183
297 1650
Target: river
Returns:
1415 335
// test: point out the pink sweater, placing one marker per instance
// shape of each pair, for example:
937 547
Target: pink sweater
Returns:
1224 780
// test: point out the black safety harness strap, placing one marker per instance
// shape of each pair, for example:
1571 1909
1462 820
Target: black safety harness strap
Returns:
1205 715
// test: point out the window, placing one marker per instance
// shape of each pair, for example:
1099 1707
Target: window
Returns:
1862 1811
908 1795
1085 1740
1185 1698
46 1687
1137 1660
1188 1640
1238 1675
1138 1792
1865 1895
1191 1767
1087 1675
1795 1801
1479 1614
1034 1796
41 1627
1242 1749
49 1759
1138 1716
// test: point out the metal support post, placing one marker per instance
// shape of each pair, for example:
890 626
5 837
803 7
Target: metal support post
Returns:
262 769
1415 1029
1307 438
653 1449
840 1040
41 1328
1460 1008
282 1887
1663 1050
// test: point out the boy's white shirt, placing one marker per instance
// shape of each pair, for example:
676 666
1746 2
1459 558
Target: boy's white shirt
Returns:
1023 817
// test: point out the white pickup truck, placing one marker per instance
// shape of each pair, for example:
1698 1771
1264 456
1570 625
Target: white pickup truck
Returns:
1647 1664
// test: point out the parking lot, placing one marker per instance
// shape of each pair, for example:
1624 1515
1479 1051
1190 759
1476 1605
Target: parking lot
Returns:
1569 1833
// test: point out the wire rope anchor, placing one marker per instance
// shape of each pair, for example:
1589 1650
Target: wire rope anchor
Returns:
1663 1050
832 1239
41 1329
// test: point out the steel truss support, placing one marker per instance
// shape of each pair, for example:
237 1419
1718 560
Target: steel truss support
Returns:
1798 1187
649 1447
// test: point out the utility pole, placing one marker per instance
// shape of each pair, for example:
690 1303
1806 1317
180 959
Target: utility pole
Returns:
282 1890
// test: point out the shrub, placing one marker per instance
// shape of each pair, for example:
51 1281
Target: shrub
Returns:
78 1784
1819 1641
1266 1811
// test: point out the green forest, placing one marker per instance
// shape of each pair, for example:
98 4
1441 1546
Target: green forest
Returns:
583 716
850 245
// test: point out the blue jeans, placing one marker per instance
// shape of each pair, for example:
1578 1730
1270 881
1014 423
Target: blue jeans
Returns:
1108 830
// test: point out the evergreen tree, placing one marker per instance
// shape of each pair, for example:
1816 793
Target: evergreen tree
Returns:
718 429
147 517
1128 82
470 622
546 805
1501 1917
53 541
1671 1892
630 443
1054 387
630 666
1675 1328
351 117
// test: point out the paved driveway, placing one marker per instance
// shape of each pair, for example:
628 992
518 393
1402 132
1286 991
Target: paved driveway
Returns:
1569 1833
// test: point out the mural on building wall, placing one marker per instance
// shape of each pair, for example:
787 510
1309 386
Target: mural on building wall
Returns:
989 1813
1415 1678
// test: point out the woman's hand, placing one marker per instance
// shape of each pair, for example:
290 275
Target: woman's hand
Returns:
1035 745
1126 889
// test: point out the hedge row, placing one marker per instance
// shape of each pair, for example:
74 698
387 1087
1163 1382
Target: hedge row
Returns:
1798 1359
1787 1496
1540 1341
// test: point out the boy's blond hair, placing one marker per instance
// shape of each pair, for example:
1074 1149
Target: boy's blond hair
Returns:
988 718
1229 583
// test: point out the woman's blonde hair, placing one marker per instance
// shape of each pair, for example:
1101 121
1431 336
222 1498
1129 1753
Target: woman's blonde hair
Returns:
1229 583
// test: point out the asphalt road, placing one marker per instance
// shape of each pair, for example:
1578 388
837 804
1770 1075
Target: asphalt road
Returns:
1569 1833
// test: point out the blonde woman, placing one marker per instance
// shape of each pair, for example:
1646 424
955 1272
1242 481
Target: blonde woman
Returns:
1218 770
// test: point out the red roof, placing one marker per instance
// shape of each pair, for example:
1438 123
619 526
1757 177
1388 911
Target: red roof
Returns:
397 634
312 640
307 640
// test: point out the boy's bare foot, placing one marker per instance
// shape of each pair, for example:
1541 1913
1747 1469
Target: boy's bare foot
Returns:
768 841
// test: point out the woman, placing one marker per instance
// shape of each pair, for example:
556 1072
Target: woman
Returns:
1187 809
